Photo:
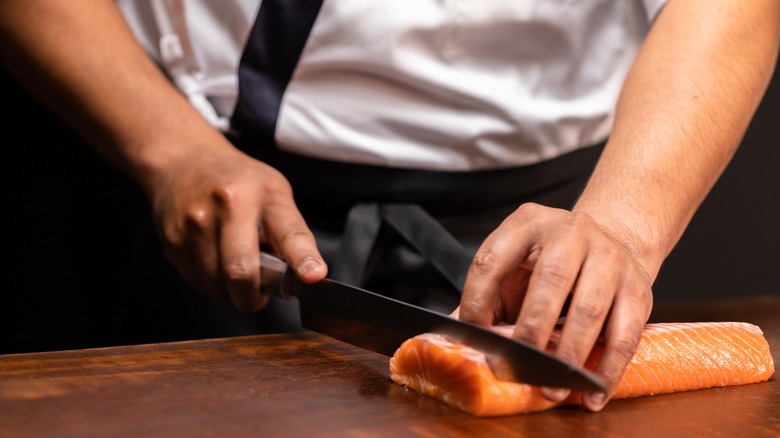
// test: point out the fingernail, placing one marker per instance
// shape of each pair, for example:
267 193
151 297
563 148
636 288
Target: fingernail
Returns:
597 400
555 394
309 266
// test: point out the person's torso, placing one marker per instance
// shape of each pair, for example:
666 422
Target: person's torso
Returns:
428 84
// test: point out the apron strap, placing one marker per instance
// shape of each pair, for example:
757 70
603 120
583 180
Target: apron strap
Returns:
431 239
357 244
414 225
265 69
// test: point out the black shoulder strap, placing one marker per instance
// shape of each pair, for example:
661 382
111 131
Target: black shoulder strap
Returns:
273 49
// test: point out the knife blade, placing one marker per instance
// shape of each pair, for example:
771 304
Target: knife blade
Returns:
381 324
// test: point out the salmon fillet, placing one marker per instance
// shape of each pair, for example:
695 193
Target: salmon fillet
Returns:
671 357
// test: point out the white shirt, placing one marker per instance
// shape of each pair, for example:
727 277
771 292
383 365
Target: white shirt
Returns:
429 84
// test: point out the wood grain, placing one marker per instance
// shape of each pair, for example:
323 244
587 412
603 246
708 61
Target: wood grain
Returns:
310 385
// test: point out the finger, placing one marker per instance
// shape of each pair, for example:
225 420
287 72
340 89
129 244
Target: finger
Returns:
561 256
201 236
291 237
512 294
552 279
239 245
178 253
621 338
494 265
591 300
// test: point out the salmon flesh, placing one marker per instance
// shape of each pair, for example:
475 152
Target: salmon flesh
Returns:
671 357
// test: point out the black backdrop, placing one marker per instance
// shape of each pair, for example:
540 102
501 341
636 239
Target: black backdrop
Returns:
69 218
732 246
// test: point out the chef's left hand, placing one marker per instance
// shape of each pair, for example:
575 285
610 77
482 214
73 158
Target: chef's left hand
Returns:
527 268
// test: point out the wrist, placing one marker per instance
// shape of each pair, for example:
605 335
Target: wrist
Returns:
635 232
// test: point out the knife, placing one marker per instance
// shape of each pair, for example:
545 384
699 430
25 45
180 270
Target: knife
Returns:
381 324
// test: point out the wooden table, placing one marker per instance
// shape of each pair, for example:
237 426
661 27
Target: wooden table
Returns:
307 385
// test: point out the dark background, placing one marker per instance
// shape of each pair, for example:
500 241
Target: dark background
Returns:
732 246
70 219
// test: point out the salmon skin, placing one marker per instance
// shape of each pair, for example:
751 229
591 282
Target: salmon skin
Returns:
671 357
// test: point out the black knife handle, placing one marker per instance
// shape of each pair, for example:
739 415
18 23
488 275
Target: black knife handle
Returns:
275 276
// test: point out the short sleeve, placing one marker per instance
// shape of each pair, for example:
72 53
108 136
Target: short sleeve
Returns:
653 7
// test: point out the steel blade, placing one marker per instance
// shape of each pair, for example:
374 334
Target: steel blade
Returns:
381 324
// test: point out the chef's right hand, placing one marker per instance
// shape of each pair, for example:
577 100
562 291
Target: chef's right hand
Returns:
213 211
213 206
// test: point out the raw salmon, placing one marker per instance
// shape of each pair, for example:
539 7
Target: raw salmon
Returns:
671 357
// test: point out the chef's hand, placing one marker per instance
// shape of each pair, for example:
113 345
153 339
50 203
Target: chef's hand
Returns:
212 212
213 205
527 268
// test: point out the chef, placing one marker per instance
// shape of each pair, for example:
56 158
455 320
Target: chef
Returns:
506 162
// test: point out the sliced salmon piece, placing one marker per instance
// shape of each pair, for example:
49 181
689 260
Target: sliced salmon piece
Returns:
671 357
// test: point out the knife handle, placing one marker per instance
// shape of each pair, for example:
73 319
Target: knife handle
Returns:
275 276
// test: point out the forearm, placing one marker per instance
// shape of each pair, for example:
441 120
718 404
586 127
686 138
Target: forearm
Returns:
684 109
82 60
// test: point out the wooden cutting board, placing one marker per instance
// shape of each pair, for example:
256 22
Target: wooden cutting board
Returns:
309 385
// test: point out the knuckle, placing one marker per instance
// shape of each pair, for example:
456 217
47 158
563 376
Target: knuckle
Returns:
170 236
527 209
579 219
241 274
588 310
296 233
613 255
278 187
196 219
531 330
224 194
609 252
475 311
554 274
574 353
485 262
624 346
580 223
530 206
641 297
293 234
639 293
